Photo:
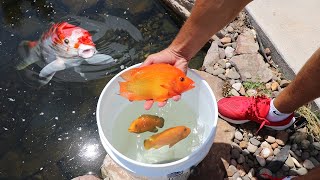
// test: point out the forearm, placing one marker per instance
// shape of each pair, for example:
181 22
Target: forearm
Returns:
207 18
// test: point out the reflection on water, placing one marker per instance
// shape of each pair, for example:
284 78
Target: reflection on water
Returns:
50 131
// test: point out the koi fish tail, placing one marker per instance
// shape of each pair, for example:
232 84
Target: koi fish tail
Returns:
147 144
124 91
27 51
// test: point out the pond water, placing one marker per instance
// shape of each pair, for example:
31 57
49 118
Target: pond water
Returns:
48 130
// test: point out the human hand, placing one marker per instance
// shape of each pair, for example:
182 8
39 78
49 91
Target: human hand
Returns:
168 56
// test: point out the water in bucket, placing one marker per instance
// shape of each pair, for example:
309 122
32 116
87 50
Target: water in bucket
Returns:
175 114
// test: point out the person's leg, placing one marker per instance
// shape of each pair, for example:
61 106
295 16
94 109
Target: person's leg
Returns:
304 88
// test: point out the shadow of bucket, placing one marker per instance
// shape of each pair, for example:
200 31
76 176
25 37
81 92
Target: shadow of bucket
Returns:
201 99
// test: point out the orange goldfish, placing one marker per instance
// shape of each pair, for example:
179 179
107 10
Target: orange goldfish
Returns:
145 123
168 137
157 82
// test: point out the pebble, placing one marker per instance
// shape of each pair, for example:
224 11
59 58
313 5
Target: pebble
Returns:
265 144
298 152
296 163
237 86
294 147
276 151
238 135
252 148
285 168
305 144
234 92
222 54
270 139
243 144
235 153
279 159
282 138
274 86
299 137
305 155
217 71
261 160
236 176
289 162
222 76
225 40
230 29
257 151
266 152
263 172
241 159
228 65
302 171
236 141
268 86
284 83
254 141
314 161
247 75
231 170
274 145
245 152
308 164
245 177
233 162
251 173
316 145
251 92
222 63
229 51
232 74
314 152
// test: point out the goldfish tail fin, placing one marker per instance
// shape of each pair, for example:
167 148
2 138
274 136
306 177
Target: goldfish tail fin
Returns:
129 74
161 122
27 51
124 91
147 144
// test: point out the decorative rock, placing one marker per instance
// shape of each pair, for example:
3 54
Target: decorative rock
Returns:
236 175
252 148
245 152
242 91
264 144
299 137
243 144
267 51
233 162
279 159
241 159
238 135
285 167
274 145
237 86
268 86
308 164
294 147
274 86
289 162
305 155
276 151
251 173
305 144
232 74
234 92
236 141
265 173
251 92
266 152
314 152
212 56
222 76
231 170
235 153
253 64
257 151
246 44
229 51
225 40
284 83
314 161
295 161
298 152
254 141
282 137
270 139
302 171
261 160
228 65
230 29
222 54
222 63
245 177
316 145
247 75
217 71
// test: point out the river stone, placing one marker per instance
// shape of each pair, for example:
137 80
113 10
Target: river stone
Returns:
233 162
314 152
241 159
238 135
265 144
270 139
231 170
237 86
235 153
294 147
216 71
222 63
212 56
225 40
254 141
285 167
305 144
284 83
261 160
251 92
232 74
246 44
305 155
229 51
253 64
246 151
266 152
308 164
279 159
314 161
289 162
296 163
214 82
316 145
265 173
302 171
252 148
276 151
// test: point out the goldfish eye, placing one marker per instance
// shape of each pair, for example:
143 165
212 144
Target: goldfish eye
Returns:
66 41
185 129
181 79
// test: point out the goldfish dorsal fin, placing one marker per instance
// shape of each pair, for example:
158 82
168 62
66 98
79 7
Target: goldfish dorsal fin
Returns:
129 74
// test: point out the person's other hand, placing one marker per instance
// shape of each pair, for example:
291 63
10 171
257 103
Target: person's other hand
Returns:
168 56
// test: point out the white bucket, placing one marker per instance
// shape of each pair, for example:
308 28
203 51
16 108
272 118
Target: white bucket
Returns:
201 99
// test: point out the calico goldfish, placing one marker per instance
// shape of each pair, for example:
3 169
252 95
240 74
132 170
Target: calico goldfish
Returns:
63 46
157 82
169 137
145 123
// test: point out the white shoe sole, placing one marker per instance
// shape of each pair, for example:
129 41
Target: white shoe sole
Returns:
278 128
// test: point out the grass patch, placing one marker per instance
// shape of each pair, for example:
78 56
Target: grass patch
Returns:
258 86
313 125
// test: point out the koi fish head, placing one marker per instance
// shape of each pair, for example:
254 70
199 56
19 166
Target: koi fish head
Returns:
72 40
183 83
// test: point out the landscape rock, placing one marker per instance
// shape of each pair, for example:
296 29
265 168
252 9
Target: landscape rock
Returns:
234 92
265 173
222 63
232 74
308 164
217 71
253 64
254 141
241 159
252 148
316 145
302 171
238 135
261 160
270 139
305 155
279 159
289 162
231 170
237 86
212 56
274 145
274 86
235 153
225 40
265 144
246 44
296 163
266 152
214 82
314 161
247 75
229 51
305 144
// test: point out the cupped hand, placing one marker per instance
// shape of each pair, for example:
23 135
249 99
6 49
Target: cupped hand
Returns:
168 56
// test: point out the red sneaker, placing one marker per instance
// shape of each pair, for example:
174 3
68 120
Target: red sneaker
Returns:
241 109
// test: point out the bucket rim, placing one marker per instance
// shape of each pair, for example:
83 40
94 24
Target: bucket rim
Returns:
114 152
